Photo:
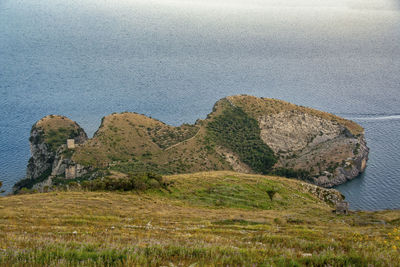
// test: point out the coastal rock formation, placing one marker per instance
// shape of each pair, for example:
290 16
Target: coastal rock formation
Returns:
325 149
242 133
49 153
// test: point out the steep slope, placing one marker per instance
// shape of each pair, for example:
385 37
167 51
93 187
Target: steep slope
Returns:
203 219
133 142
242 133
47 141
330 149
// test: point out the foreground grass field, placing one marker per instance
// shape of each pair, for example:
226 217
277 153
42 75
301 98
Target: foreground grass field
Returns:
203 219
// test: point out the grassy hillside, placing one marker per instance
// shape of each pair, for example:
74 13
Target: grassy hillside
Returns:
214 218
132 142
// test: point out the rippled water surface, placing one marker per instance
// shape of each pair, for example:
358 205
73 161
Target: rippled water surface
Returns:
173 59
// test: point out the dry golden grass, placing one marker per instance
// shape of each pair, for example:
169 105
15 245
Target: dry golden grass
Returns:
182 227
121 137
130 141
54 122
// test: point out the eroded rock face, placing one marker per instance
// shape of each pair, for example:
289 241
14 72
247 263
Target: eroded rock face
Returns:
325 148
41 155
44 149
233 160
293 131
48 146
352 168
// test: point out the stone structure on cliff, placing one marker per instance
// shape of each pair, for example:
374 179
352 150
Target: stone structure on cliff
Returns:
74 171
70 143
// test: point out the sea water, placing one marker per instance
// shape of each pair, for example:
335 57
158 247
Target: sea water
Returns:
172 60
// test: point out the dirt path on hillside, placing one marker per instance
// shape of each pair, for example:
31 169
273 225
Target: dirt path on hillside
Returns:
177 144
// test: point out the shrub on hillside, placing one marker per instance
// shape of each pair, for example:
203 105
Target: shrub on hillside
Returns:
24 191
271 193
141 181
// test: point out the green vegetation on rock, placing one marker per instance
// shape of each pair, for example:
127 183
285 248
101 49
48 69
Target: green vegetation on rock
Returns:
165 137
28 183
237 131
54 131
57 137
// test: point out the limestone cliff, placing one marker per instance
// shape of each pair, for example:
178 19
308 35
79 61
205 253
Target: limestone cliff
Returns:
325 148
330 149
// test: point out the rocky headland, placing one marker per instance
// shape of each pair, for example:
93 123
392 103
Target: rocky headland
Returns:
243 133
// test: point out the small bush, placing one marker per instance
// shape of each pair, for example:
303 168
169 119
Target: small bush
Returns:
25 191
271 193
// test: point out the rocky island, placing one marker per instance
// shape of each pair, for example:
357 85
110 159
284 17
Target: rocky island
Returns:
242 133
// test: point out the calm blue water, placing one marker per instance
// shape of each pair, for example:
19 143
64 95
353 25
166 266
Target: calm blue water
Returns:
173 60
